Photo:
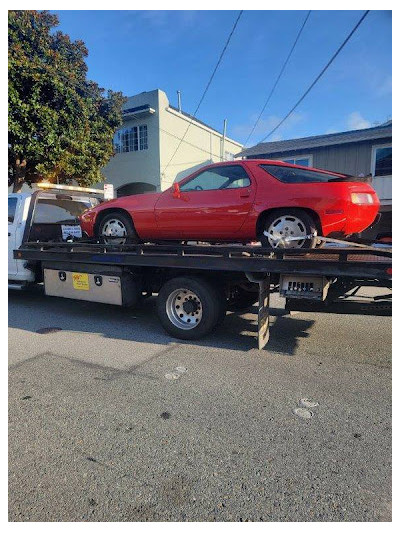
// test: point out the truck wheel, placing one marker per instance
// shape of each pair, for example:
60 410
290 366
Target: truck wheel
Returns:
289 223
115 225
189 308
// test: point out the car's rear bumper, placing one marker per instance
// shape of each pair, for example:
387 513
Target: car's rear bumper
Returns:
353 219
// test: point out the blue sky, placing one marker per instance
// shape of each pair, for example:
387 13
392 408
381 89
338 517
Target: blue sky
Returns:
135 51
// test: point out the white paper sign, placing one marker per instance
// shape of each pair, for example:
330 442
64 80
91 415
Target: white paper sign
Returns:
71 231
108 191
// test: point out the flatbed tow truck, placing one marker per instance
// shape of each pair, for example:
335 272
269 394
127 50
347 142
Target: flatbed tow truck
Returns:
197 283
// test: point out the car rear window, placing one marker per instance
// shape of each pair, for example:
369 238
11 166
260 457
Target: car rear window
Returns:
299 175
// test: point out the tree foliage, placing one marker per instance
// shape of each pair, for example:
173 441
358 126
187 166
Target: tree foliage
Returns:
60 124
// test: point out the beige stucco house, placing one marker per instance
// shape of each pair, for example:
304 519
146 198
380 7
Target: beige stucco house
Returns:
148 138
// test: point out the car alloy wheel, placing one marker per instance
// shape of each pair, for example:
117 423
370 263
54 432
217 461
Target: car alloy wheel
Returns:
284 228
184 309
114 228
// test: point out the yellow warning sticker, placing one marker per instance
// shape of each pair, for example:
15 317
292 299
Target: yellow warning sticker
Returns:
80 281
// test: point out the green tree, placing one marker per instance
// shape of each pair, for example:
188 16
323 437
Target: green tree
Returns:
60 124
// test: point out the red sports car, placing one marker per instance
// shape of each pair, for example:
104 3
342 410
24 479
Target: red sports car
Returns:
280 204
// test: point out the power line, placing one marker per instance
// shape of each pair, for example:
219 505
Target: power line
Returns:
207 87
208 152
318 77
278 78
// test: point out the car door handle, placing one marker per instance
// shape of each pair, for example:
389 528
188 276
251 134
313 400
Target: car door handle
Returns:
244 194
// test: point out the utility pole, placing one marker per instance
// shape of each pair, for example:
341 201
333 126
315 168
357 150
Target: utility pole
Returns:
179 101
223 141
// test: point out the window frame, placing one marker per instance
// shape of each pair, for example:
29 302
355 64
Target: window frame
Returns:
141 146
302 156
374 149
201 171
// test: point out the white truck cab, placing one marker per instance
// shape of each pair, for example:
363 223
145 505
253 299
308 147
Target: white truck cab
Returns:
49 212
18 209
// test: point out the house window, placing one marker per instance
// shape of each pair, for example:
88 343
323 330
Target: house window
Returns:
381 160
303 160
143 138
131 139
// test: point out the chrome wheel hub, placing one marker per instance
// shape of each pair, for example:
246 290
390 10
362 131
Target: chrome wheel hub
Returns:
114 228
283 229
184 309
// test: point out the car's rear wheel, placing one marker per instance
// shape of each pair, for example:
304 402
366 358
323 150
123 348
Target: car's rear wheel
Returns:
289 228
117 228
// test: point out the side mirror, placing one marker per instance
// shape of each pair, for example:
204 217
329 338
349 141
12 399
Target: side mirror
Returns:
177 191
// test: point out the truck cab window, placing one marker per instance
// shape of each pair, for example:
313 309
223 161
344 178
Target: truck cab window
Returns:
12 206
60 210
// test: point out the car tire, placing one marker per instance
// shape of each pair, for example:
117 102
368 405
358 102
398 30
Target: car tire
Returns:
190 307
119 221
290 223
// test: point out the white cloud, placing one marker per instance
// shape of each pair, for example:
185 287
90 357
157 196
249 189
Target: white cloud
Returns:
355 121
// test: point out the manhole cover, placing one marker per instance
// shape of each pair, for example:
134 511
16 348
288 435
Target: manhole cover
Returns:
45 331
173 375
302 412
306 402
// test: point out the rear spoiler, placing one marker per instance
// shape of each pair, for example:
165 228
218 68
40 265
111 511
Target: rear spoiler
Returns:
361 179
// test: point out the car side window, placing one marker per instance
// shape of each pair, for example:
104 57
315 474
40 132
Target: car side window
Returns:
12 206
227 177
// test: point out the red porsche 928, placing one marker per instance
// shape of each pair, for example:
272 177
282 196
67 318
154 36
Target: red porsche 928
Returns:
279 204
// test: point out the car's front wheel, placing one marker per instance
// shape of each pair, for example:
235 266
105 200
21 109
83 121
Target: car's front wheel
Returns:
289 228
117 228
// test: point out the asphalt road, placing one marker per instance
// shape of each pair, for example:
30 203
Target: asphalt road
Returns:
103 427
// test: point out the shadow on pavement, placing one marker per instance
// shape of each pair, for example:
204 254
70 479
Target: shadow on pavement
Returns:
31 310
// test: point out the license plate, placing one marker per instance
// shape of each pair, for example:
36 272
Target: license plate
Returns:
71 231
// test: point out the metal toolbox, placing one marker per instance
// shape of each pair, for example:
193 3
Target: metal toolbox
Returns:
96 285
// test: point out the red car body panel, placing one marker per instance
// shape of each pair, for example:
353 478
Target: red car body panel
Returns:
232 214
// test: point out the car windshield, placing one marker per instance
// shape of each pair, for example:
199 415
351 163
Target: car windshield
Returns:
300 175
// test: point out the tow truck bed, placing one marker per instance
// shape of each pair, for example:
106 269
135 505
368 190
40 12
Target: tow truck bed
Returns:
217 264
360 263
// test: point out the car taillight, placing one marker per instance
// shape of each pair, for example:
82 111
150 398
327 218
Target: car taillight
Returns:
362 198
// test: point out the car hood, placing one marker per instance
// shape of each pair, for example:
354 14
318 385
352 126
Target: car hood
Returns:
139 201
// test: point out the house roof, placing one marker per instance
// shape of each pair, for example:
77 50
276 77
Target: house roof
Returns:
317 141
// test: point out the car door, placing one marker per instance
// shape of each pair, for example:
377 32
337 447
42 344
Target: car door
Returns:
212 204
12 224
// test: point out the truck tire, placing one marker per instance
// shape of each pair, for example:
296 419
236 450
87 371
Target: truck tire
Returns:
189 307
